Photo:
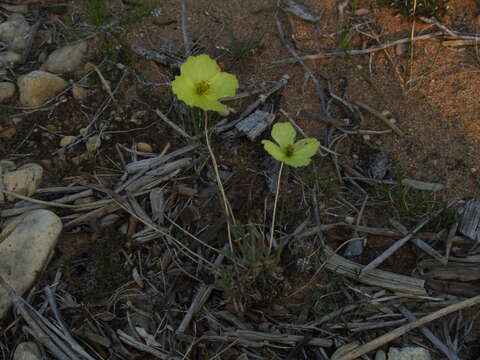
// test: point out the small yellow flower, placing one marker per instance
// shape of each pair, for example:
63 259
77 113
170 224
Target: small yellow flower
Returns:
294 154
201 83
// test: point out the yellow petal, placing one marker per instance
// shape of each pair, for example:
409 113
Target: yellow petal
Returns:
222 85
283 133
199 68
184 88
274 150
303 150
306 147
297 161
206 104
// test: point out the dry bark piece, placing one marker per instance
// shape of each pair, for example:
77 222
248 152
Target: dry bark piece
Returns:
301 11
470 224
394 282
254 124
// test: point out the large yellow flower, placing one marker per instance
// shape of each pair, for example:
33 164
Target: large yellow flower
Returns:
292 153
201 83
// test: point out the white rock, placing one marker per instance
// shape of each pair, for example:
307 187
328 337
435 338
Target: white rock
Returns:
37 87
9 59
15 32
7 90
65 59
24 180
27 351
28 242
380 355
409 353
144 147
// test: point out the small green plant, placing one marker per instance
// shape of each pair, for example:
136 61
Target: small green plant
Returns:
240 51
256 272
96 11
418 8
410 204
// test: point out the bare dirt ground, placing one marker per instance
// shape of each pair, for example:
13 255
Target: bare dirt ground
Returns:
430 89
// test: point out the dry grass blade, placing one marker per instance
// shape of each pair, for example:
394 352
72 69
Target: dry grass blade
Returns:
381 117
404 240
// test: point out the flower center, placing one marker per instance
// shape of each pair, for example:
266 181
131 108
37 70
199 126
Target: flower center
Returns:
202 87
289 150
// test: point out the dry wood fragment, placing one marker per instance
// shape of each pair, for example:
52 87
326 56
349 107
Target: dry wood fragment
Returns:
392 335
254 124
63 200
422 185
429 335
361 51
299 10
470 223
145 165
279 338
420 243
224 125
466 42
394 282
199 300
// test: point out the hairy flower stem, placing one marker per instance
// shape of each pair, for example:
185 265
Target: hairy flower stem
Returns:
220 185
275 209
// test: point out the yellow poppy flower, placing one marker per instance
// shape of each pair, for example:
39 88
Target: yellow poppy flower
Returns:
292 153
201 83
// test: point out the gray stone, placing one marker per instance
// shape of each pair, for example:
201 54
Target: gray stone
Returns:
9 59
409 353
380 355
27 351
24 180
7 90
15 32
65 59
37 87
26 244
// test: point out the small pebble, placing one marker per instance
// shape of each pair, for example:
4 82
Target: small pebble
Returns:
366 137
392 120
77 160
144 147
93 144
51 128
46 163
386 113
79 93
349 220
88 67
66 140
8 133
401 49
355 156
362 11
